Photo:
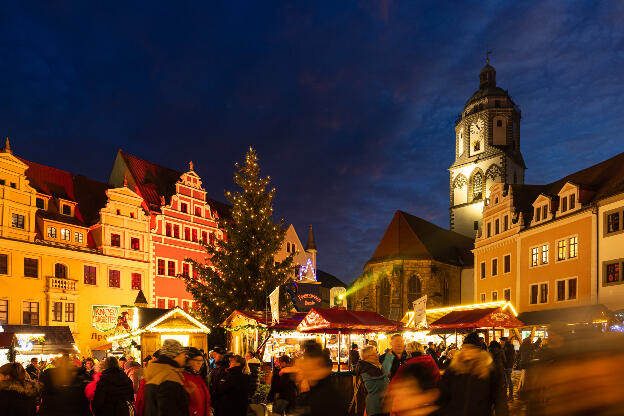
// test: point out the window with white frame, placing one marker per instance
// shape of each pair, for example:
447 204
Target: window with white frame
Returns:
538 293
566 289
495 296
507 263
65 234
482 270
78 237
482 297
4 311
494 267
51 232
561 250
572 247
507 294
534 256
544 253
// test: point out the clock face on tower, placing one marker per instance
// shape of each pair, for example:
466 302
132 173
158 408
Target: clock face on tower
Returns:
477 134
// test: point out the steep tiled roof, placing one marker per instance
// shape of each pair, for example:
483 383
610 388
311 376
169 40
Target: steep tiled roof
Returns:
154 181
90 195
328 280
602 180
410 237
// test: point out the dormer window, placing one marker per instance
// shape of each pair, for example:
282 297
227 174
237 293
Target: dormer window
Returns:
40 203
572 201
538 212
544 212
66 209
564 204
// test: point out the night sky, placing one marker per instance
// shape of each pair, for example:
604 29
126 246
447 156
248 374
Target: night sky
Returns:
350 104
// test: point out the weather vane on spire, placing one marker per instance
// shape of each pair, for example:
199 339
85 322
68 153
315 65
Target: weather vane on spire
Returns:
487 54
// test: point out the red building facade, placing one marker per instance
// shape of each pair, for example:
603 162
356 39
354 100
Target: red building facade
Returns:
181 217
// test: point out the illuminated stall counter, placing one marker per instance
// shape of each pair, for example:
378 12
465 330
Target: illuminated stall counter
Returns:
156 325
42 342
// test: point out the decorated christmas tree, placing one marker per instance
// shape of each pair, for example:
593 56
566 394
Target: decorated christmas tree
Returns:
242 271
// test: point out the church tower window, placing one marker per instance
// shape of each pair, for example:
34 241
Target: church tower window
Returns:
414 290
477 186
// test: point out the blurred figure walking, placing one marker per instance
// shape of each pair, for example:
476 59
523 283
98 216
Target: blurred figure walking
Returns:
114 394
18 393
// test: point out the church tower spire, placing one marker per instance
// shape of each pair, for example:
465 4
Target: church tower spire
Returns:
487 150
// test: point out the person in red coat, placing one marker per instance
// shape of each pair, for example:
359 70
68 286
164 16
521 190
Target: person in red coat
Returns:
199 396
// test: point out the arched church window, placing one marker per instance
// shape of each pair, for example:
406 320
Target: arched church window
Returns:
414 290
477 185
384 297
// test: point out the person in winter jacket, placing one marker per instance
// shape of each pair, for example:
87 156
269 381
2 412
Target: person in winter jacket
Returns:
396 355
526 353
217 374
498 356
254 372
89 367
62 390
90 388
233 389
199 397
164 383
113 392
374 377
472 386
414 388
510 359
283 391
135 373
18 394
319 394
32 369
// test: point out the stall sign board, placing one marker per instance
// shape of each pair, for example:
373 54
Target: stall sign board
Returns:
308 296
104 317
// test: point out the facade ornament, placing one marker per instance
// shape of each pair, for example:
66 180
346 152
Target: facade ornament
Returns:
162 200
125 181
493 171
191 165
7 146
460 181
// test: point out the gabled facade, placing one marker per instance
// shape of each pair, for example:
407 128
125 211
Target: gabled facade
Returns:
182 217
562 249
62 262
302 257
415 258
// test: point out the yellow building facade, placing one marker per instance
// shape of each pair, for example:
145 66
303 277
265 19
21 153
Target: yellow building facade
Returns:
67 244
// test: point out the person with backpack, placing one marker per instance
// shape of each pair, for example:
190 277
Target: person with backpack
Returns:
114 393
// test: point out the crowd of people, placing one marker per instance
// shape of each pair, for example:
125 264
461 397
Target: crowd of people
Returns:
407 380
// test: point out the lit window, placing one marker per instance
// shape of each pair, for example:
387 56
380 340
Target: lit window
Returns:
135 243
477 182
17 221
51 232
573 247
65 234
136 281
89 275
612 273
171 268
534 256
115 240
561 250
66 210
161 267
507 263
114 278
545 254
78 237
70 312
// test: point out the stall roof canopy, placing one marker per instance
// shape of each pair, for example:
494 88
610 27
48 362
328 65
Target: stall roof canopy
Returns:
434 314
573 315
339 319
477 318
6 339
57 338
287 320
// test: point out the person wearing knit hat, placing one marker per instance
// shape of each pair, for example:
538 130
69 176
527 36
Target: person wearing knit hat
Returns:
164 392
472 370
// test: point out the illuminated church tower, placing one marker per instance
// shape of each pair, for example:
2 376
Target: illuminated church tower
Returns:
487 150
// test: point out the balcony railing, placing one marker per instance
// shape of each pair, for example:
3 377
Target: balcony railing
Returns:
61 284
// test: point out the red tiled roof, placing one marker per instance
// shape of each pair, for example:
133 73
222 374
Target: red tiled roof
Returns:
410 237
154 181
88 194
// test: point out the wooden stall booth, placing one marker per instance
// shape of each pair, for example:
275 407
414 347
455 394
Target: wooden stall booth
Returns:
154 325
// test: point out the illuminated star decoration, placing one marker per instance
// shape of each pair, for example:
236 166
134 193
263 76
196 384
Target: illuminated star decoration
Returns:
303 271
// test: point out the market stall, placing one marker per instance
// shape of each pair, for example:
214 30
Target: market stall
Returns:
253 330
492 321
340 328
536 323
42 342
147 328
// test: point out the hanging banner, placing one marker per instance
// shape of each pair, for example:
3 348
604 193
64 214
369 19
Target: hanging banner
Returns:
104 317
274 299
420 312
